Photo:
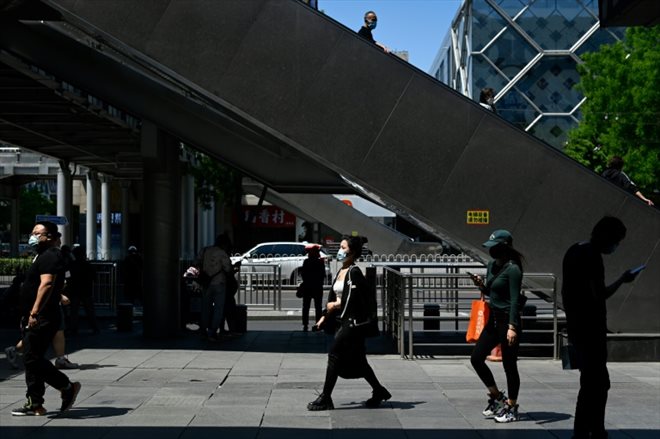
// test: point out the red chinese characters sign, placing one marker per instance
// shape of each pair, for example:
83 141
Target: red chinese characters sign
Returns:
268 216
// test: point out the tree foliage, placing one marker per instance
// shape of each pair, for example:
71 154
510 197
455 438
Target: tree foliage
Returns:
214 181
33 203
621 115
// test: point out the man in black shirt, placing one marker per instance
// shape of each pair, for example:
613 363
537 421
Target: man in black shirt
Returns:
584 294
615 174
370 22
40 297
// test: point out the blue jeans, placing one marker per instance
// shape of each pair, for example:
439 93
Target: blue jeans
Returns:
213 307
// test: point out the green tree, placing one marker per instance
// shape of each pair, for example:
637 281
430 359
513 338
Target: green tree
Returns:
33 203
621 115
214 181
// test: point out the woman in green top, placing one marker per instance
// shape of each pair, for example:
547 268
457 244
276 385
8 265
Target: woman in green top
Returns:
502 284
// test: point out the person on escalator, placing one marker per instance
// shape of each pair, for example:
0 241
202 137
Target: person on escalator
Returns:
370 22
487 99
615 174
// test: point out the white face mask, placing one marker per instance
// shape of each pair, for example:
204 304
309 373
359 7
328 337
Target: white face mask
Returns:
33 241
341 254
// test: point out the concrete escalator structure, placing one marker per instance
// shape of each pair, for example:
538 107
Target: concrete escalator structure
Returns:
275 89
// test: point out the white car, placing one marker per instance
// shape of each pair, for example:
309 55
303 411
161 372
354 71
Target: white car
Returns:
289 255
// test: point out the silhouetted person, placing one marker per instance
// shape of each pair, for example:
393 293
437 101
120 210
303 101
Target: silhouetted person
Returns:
370 22
214 265
313 274
132 274
615 174
80 287
584 294
487 99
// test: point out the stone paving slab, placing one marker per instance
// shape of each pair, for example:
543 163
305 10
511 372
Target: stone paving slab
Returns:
257 386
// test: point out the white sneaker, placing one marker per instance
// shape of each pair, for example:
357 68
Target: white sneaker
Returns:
508 414
12 356
495 406
64 363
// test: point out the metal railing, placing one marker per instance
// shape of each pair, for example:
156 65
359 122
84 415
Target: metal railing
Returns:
260 285
105 285
451 290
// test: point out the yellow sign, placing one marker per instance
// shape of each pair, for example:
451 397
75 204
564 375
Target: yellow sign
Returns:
478 217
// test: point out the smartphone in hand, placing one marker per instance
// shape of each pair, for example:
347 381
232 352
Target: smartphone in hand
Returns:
637 269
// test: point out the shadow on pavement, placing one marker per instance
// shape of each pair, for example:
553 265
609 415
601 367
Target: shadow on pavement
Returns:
191 432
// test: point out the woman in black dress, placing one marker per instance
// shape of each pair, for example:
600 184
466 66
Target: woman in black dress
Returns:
348 306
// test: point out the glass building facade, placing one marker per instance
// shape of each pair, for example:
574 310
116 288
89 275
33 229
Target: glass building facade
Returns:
527 50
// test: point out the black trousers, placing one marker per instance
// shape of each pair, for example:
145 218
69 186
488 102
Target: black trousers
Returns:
348 359
38 370
318 303
493 334
594 386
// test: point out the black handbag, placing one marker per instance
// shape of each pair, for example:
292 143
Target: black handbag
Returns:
300 290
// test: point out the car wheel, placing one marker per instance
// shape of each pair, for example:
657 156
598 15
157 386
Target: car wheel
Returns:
295 277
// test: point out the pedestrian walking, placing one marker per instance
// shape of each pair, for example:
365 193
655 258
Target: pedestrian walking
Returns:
40 296
503 285
584 296
348 306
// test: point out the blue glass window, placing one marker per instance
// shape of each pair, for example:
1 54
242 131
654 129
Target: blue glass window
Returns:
516 109
512 7
484 75
553 129
600 37
556 25
486 23
550 84
510 53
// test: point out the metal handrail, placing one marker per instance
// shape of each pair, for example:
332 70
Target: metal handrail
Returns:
267 278
408 285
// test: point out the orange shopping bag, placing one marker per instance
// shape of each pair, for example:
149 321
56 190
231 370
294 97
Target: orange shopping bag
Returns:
478 319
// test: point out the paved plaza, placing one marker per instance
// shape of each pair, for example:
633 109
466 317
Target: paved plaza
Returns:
257 386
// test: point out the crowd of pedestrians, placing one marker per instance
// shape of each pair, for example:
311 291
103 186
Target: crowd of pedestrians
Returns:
350 309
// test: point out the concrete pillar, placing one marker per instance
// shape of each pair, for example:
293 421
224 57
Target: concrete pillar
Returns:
106 236
206 225
90 226
188 217
125 217
64 200
162 230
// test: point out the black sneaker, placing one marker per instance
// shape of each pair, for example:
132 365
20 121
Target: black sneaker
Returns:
495 405
29 409
377 397
69 396
321 403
